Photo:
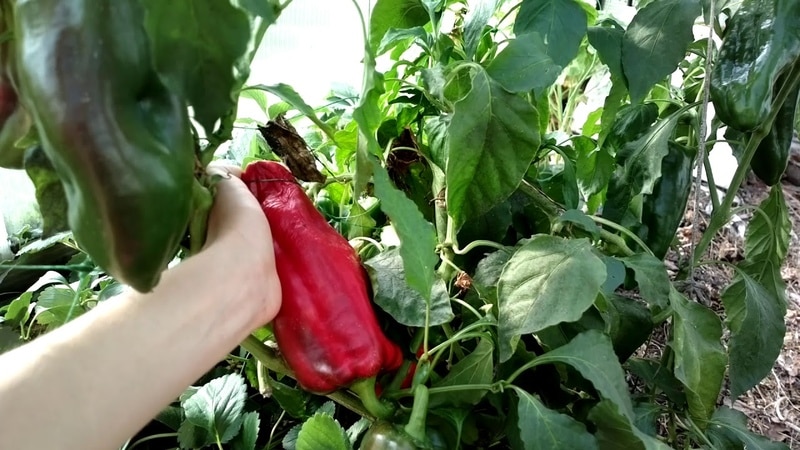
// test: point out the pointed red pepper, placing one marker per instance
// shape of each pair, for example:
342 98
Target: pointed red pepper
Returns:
327 330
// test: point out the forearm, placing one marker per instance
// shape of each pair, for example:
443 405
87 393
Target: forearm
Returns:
114 368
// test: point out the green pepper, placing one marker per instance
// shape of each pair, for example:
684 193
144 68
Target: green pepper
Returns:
760 41
663 209
119 140
386 436
772 154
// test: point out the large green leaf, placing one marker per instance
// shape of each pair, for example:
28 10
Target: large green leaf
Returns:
493 138
548 280
387 14
767 234
652 278
193 61
608 43
541 428
322 432
616 431
699 356
595 165
755 317
562 24
655 42
524 65
417 236
406 305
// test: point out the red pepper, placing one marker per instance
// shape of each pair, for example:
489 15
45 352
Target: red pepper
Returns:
326 329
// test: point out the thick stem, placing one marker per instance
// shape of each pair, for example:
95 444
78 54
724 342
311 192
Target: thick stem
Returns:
365 389
202 201
419 412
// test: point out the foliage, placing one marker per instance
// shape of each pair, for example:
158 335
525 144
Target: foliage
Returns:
503 238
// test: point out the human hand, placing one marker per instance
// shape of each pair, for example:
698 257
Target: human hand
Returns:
240 240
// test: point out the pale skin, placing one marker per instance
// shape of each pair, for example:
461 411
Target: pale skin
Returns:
96 381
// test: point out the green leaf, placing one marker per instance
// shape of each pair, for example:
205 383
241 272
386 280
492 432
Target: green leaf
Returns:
50 194
217 406
655 43
247 438
615 274
475 368
652 278
171 416
493 138
548 280
9 339
595 166
562 24
368 116
615 431
355 430
291 400
266 9
405 305
699 356
191 436
728 429
524 65
322 432
192 61
388 14
608 43
579 218
19 310
655 375
395 36
55 305
755 318
628 323
542 428
767 235
592 355
417 236
478 14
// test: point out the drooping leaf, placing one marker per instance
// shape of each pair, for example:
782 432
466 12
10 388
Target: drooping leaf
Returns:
193 62
595 166
478 14
493 138
417 236
524 65
388 14
728 429
322 432
541 428
652 278
607 40
655 42
755 317
592 355
699 356
548 280
217 406
404 304
767 235
475 368
562 24
628 323
247 437
393 37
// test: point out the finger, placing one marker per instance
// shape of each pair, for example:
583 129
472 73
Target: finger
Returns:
224 169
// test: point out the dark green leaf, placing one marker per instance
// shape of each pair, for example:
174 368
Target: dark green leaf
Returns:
595 166
475 368
388 14
478 15
404 304
608 43
322 432
767 234
493 137
728 429
191 436
417 236
246 439
266 9
562 24
655 375
615 274
291 400
652 278
592 355
9 339
171 416
655 43
523 65
545 429
755 317
580 219
548 280
217 406
615 431
193 62
628 323
699 356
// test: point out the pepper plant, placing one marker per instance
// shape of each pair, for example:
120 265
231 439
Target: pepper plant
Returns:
514 253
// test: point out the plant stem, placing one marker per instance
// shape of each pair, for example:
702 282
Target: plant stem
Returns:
622 230
419 412
720 217
365 389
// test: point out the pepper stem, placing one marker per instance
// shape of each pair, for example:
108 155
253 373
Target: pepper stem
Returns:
419 412
365 389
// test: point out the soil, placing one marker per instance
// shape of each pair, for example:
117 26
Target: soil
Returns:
773 406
